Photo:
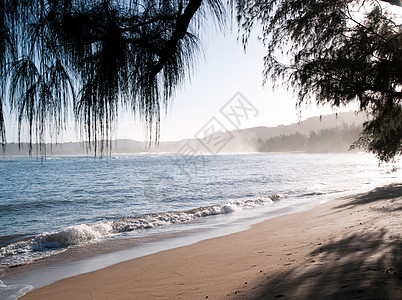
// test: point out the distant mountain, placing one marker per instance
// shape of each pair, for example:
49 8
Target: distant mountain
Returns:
333 139
304 127
253 136
73 148
245 140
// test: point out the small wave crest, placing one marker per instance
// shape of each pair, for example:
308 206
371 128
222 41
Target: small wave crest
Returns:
175 217
72 235
322 193
49 243
12 292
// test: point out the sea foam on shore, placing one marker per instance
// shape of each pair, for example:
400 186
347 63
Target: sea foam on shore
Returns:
50 243
12 292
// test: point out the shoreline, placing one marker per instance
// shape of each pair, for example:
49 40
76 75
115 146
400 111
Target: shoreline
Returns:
346 247
92 257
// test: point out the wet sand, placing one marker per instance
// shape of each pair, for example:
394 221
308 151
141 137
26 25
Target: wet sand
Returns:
347 248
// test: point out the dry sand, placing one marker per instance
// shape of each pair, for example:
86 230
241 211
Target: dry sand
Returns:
347 248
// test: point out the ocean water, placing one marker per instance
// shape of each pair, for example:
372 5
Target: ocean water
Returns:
52 205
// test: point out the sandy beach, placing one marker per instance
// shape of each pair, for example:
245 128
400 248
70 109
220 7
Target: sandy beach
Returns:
347 248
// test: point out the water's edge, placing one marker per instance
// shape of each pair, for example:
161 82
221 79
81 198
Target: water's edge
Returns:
47 271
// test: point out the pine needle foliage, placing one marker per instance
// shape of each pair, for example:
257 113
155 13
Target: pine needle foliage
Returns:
91 59
336 52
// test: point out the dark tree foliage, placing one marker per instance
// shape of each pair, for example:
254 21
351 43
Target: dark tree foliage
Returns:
92 58
335 139
283 143
336 52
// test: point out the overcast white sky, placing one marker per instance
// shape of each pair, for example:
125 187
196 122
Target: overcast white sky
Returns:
225 70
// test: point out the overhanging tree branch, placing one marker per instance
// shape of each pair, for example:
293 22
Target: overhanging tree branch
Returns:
181 30
117 54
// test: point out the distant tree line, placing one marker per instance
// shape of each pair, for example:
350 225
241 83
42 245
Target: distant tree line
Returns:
336 139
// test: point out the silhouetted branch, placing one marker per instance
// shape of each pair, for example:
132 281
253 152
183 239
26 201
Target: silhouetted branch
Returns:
180 31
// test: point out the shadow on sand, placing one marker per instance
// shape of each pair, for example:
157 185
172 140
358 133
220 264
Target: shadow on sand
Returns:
366 266
363 265
381 193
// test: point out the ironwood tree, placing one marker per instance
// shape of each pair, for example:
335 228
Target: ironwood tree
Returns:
93 58
337 52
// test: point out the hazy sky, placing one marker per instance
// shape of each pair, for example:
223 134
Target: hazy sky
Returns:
225 70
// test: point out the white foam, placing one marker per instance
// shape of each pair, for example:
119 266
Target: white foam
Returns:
318 186
166 218
72 235
49 243
13 292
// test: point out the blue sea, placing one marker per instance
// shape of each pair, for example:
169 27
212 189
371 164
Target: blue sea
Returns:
55 206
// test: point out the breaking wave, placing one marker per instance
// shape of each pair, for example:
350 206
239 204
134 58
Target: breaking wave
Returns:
49 243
